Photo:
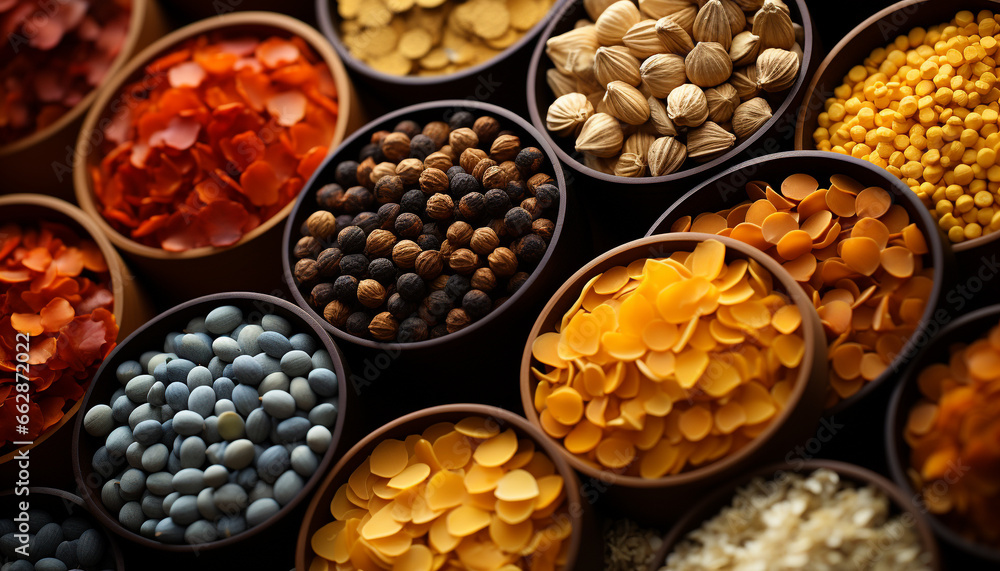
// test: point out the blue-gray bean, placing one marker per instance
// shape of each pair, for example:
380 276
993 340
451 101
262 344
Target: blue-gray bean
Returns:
177 396
247 339
304 461
111 496
246 399
199 376
193 452
272 463
118 441
152 505
138 387
293 429
131 516
230 499
216 475
223 387
178 369
196 325
229 526
201 531
121 408
247 371
303 394
224 405
206 504
268 364
90 548
196 347
133 455
274 344
184 510
287 486
160 483
133 483
278 404
50 564
224 319
157 394
323 382
99 421
148 529
277 381
47 540
159 359
154 458
127 370
142 412
324 414
226 348
319 438
187 423
148 432
296 363
321 360
261 510
272 322
168 531
238 455
202 399
258 426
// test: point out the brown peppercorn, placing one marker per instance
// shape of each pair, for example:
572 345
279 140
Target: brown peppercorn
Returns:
328 263
396 147
429 264
459 234
321 224
379 244
330 196
405 253
307 247
516 281
438 132
336 313
305 272
503 262
511 169
427 316
461 139
464 261
457 320
408 225
433 180
532 207
389 188
447 150
484 241
484 279
498 227
387 214
379 136
321 294
439 282
358 199
544 228
383 327
371 293
472 206
365 169
481 167
470 158
495 177
438 160
383 169
538 180
486 128
529 160
447 249
505 148
409 170
440 206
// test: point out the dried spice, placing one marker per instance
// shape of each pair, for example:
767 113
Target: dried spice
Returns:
796 522
464 495
668 364
54 55
434 37
628 547
953 432
225 134
54 287
856 254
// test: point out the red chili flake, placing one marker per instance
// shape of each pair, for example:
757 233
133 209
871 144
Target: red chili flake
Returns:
52 56
225 135
55 287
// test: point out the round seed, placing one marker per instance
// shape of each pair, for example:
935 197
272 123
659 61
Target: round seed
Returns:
231 426
216 475
152 506
278 404
168 531
177 396
268 364
258 426
121 408
229 526
247 371
287 486
178 369
188 423
127 370
148 529
196 347
305 398
206 504
131 516
272 463
246 399
134 454
142 412
99 421
184 510
192 452
47 540
304 461
230 498
293 429
274 344
202 399
199 377
223 388
157 394
318 438
119 440
157 359
321 360
303 342
226 348
138 387
247 339
90 548
133 483
111 496
239 454
261 510
222 320
296 363
323 382
223 406
276 323
324 414
275 381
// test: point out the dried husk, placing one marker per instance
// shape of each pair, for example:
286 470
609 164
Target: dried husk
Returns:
565 46
626 103
568 113
638 143
745 82
687 106
601 136
744 49
599 164
657 9
658 118
642 41
685 19
722 102
777 69
749 5
737 19
665 156
708 64
774 27
708 141
560 83
630 165
596 7
673 37
615 21
750 116
712 25
662 73
616 63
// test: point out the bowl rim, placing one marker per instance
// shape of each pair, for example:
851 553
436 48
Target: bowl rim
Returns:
962 328
937 249
806 110
325 16
812 334
574 499
853 472
78 501
284 25
308 324
783 113
387 121
116 268
136 20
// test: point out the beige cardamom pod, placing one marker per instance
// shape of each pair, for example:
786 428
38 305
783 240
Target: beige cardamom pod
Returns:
749 5
673 37
662 73
687 106
744 49
642 41
685 19
659 8
639 143
568 113
616 63
596 7
708 141
630 165
708 64
615 21
777 69
774 27
659 120
665 156
626 103
750 116
712 24
600 164
722 102
559 82
745 82
601 136
737 19
563 49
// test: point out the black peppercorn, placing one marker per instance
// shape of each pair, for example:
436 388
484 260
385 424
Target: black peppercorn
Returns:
434 229
517 221
457 286
344 220
516 191
529 160
428 242
547 195
387 214
476 303
354 265
357 324
455 171
399 307
307 247
368 151
438 303
421 146
345 288
530 248
328 263
347 174
439 331
382 270
367 221
516 281
461 119
472 206
351 240
357 199
408 225
410 286
496 203
425 315
413 201
330 196
408 127
322 294
412 329
389 189
462 184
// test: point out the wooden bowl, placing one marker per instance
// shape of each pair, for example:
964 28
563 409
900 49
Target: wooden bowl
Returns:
727 190
878 31
218 268
150 337
644 499
495 81
393 364
59 503
586 546
707 509
131 309
965 329
42 161
636 199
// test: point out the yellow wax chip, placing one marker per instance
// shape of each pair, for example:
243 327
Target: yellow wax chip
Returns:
615 452
340 504
872 202
593 379
577 304
453 450
553 427
752 313
659 460
812 204
476 553
756 402
382 490
861 254
846 360
402 507
690 365
380 525
376 504
708 223
759 211
423 452
345 541
542 391
659 335
724 334
478 427
389 458
445 490
514 512
584 437
392 546
871 228
420 512
794 244
787 319
635 314
409 477
485 501
729 417
872 366
516 485
592 300
324 540
498 450
695 423
466 520
679 302
565 405
898 261
661 363
480 479
734 273
358 480
636 268
720 379
611 280
545 349
417 558
549 489
525 451
440 539
622 346
750 234
776 225
914 240
319 564
606 315
511 538
790 349
437 430
659 404
583 334
708 259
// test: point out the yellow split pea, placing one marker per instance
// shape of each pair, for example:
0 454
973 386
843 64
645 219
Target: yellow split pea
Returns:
926 109
668 364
